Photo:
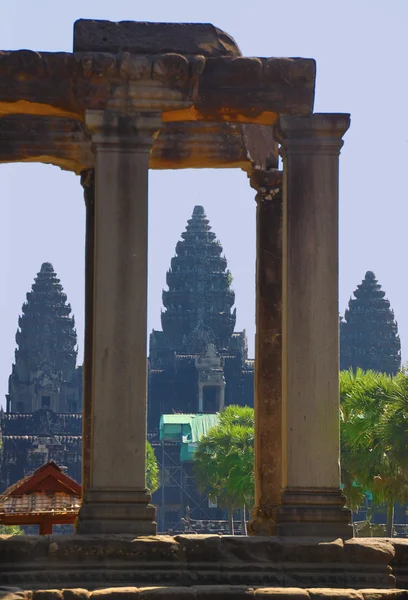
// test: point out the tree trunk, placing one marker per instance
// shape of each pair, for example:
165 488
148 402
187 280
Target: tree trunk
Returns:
390 519
231 520
243 521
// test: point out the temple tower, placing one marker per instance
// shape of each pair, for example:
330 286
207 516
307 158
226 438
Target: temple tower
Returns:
198 364
44 372
199 300
369 337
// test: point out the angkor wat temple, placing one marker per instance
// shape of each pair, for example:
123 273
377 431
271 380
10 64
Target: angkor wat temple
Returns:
197 364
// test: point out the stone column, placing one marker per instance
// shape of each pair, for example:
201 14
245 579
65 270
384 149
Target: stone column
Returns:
200 397
312 503
117 500
88 183
268 352
222 396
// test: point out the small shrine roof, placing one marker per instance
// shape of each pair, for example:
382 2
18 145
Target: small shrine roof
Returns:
47 492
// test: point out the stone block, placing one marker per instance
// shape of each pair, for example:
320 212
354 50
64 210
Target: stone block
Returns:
281 593
252 549
300 550
14 594
330 594
152 38
22 548
117 593
224 592
167 593
399 563
48 595
76 594
375 594
96 548
373 551
200 548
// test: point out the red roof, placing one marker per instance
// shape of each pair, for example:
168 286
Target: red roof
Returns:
47 492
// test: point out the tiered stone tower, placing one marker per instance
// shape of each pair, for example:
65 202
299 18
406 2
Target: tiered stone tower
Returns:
45 358
199 300
369 337
197 363
44 403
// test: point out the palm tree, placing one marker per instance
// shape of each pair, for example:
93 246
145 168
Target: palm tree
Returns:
372 421
224 461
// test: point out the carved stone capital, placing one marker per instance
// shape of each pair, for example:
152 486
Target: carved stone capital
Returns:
88 183
122 130
267 183
320 133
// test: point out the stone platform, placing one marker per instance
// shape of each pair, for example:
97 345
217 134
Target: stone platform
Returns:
92 562
233 592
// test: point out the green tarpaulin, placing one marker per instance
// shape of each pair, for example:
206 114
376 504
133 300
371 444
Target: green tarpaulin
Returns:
187 429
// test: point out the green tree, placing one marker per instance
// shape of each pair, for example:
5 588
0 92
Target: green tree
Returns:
374 438
224 461
369 333
152 469
10 530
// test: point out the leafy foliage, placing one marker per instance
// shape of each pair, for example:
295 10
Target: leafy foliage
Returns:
374 437
224 459
11 530
152 469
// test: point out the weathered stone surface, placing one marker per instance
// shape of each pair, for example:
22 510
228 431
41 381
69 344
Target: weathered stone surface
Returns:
301 550
287 593
218 592
244 90
146 38
200 548
254 551
22 548
189 560
65 143
375 594
162 593
76 594
48 595
116 593
221 592
369 551
399 563
10 594
325 594
95 548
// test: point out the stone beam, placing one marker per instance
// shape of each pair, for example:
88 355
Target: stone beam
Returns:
183 87
140 37
64 143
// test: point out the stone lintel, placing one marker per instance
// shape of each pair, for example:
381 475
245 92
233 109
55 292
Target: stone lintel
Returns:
90 562
184 88
138 37
65 143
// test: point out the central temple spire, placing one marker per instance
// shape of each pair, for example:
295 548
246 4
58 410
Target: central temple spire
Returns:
198 304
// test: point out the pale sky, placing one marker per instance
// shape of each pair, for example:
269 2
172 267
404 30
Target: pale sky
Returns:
360 49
